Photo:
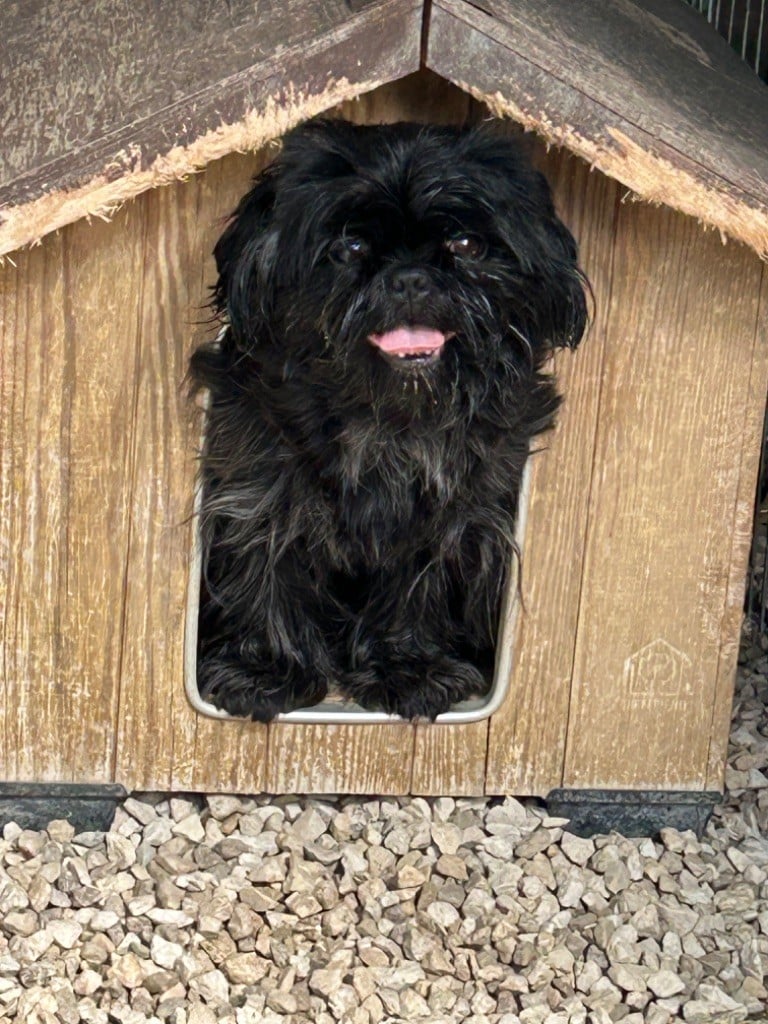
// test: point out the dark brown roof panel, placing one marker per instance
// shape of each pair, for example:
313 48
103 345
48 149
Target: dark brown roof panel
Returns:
103 101
645 90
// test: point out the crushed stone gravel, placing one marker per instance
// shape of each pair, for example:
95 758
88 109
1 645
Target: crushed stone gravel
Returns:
263 910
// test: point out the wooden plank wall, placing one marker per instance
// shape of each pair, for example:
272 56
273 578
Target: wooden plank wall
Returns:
528 735
636 691
665 511
637 530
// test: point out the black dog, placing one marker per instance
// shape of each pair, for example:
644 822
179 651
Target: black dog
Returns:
391 295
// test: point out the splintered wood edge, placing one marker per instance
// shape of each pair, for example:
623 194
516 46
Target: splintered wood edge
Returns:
26 224
649 177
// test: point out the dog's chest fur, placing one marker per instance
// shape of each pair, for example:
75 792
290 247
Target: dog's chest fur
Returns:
391 488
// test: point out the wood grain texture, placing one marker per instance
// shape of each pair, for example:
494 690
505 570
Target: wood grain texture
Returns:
181 749
72 421
450 759
742 534
160 475
102 264
33 486
658 66
423 97
340 758
126 63
527 736
126 97
675 392
642 89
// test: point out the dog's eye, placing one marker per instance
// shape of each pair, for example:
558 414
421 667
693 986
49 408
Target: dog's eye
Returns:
348 249
467 246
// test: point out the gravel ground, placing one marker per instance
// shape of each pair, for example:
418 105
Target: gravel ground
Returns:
193 911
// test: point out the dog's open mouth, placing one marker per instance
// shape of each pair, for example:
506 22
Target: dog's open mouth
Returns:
410 346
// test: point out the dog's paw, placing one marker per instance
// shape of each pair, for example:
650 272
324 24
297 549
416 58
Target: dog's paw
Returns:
257 693
414 688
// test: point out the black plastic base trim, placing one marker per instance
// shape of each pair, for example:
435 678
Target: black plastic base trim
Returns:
632 812
90 808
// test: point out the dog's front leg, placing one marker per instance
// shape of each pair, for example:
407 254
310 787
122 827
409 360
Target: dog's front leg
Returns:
266 654
412 652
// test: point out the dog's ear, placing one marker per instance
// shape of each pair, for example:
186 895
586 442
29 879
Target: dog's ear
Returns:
242 256
527 221
565 290
566 286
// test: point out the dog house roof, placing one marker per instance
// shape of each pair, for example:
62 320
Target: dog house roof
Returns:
105 101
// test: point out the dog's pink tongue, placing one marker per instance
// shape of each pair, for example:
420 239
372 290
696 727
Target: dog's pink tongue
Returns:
409 340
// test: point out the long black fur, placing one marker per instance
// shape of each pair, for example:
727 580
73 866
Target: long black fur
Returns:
358 515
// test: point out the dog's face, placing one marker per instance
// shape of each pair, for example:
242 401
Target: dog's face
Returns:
381 257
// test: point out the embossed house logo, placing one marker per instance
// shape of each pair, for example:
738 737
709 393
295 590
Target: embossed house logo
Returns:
658 670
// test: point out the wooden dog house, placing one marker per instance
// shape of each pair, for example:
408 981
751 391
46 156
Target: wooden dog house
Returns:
640 516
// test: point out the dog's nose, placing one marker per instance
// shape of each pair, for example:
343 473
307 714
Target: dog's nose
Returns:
410 283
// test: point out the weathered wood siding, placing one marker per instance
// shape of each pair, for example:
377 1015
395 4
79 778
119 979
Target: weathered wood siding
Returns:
637 534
